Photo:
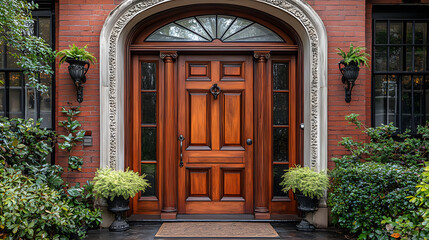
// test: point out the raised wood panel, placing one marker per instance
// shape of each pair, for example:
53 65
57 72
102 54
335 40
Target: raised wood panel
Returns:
232 183
198 71
232 119
232 71
198 182
199 116
223 160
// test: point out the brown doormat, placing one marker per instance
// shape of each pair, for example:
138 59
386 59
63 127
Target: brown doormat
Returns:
216 230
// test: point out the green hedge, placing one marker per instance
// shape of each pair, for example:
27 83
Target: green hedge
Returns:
364 193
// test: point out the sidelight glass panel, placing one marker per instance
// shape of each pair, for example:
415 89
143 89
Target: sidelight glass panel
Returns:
280 144
148 76
150 170
280 76
278 171
148 103
280 108
396 32
148 140
381 32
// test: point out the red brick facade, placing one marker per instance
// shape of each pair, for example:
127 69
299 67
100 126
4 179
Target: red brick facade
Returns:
346 21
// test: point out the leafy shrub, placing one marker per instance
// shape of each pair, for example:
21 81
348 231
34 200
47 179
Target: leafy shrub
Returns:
76 53
109 183
31 211
364 193
413 224
24 141
310 183
386 146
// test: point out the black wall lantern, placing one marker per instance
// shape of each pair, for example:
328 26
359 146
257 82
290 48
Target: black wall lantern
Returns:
77 72
350 73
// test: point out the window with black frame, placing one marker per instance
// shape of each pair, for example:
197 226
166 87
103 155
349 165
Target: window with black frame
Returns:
400 70
17 100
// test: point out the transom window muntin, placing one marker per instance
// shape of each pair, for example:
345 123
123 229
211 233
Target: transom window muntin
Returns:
206 28
400 71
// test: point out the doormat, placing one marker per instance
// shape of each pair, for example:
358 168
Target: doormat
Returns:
216 230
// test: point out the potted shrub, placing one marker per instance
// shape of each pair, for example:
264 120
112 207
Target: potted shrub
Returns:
349 66
117 187
79 60
308 186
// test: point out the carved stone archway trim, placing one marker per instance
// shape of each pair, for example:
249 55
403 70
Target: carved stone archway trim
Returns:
296 13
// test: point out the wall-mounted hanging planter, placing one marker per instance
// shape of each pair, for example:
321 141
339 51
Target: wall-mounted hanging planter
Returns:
349 67
79 61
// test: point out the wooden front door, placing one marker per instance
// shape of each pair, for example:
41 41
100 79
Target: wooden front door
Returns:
215 117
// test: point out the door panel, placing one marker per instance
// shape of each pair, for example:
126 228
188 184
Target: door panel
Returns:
216 176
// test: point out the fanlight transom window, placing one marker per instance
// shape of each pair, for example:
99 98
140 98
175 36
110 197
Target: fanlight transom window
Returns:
206 28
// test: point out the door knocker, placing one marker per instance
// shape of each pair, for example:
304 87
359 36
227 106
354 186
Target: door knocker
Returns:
215 90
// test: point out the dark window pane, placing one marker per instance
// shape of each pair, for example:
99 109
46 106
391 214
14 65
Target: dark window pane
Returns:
281 76
150 170
395 59
381 32
280 108
409 36
406 102
15 102
395 32
380 99
11 60
392 101
420 36
15 79
280 144
148 143
420 59
44 29
380 62
30 104
409 58
1 56
427 97
278 171
148 76
418 100
2 94
148 108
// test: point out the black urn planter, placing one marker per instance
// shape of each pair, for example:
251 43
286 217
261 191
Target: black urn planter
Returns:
77 70
118 206
350 73
305 205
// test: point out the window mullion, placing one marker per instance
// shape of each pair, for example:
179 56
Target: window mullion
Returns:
398 101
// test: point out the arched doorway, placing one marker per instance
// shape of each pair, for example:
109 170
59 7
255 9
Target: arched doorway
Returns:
214 103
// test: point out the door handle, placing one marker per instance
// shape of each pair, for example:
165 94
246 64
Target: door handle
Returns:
215 90
181 138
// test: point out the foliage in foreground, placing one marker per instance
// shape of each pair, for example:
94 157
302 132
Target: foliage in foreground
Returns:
371 183
414 224
109 183
32 53
303 179
32 211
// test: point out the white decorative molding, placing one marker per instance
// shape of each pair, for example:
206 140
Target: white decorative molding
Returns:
296 13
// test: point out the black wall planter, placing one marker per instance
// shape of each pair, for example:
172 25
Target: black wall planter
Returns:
305 205
118 206
350 73
77 72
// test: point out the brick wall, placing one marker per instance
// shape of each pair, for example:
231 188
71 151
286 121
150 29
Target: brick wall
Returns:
80 22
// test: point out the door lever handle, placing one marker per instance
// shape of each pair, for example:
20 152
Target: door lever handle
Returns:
181 138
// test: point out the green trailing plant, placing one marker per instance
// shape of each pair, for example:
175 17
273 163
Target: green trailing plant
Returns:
109 183
32 53
73 137
305 180
74 52
385 145
356 55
